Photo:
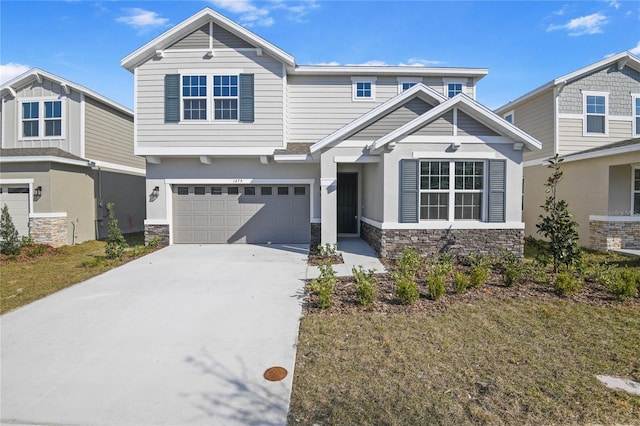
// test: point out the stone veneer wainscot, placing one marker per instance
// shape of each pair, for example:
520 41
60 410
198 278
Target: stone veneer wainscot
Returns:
157 231
389 243
614 232
50 230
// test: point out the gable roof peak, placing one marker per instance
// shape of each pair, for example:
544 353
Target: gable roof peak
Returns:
186 27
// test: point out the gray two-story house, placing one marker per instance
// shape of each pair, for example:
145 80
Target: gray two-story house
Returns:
67 151
245 146
591 119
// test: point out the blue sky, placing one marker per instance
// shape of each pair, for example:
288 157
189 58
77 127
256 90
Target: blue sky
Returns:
524 44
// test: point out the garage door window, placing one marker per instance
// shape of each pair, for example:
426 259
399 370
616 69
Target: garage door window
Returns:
299 190
183 190
199 190
283 190
266 190
233 190
216 190
250 190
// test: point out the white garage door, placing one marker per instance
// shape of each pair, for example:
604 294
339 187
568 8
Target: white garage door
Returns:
225 214
16 197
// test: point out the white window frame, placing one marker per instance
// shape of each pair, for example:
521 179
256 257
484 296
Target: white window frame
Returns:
405 80
513 116
210 98
185 98
634 191
586 93
447 81
635 113
41 118
225 98
354 84
452 191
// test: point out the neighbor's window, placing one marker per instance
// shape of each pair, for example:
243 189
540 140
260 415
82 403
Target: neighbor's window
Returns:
364 88
194 97
636 191
53 118
509 117
408 85
30 119
225 97
595 114
636 111
439 201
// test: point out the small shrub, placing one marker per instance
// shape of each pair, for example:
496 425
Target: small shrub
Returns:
566 285
460 282
624 284
409 262
328 250
365 285
9 240
601 273
323 285
537 273
26 241
37 251
115 242
153 242
478 275
94 262
406 289
435 283
512 268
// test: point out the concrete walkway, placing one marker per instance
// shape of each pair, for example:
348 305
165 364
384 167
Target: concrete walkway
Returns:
355 251
182 336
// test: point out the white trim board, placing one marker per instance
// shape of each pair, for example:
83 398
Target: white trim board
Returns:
443 225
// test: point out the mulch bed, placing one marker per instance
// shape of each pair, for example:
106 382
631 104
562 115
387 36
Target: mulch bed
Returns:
317 260
345 298
29 254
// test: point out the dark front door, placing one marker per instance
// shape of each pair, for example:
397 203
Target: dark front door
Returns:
347 203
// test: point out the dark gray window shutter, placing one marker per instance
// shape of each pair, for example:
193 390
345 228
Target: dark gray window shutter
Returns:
172 98
497 190
409 177
246 98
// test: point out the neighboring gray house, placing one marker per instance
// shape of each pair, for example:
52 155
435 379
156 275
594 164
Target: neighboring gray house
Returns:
66 152
591 118
245 146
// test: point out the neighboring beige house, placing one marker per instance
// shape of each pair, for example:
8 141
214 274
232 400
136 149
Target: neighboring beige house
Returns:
66 152
591 118
245 146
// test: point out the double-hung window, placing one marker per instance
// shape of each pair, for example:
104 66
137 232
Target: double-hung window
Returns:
41 119
194 97
440 201
225 97
53 118
30 119
595 113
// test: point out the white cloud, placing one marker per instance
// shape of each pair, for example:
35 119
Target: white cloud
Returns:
636 50
415 62
142 20
372 63
12 70
590 24
615 4
562 10
251 15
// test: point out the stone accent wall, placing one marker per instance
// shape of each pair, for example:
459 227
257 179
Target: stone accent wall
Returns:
389 243
315 240
611 234
160 231
49 230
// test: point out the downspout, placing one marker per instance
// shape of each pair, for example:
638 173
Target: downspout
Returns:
98 202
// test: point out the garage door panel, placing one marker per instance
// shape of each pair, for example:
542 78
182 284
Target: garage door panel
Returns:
224 218
16 197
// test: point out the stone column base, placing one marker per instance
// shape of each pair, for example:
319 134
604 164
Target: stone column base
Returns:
156 231
49 230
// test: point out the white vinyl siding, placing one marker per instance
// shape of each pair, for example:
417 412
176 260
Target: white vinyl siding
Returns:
573 140
536 117
265 131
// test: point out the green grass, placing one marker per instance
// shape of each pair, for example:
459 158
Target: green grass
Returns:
496 361
23 282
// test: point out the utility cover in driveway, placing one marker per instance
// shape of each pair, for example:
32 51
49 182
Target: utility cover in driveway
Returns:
260 214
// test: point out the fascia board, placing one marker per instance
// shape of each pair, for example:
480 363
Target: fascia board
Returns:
374 114
44 159
477 73
28 76
142 54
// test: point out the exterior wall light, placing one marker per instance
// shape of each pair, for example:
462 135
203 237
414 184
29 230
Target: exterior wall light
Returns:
156 191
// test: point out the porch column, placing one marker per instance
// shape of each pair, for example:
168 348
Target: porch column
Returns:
328 199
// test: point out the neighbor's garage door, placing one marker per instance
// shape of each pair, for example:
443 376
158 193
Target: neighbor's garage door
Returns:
240 214
16 197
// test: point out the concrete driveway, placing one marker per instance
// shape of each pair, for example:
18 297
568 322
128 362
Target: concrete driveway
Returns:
179 337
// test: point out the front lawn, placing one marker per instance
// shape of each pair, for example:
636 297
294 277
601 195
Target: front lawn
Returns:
493 354
39 270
